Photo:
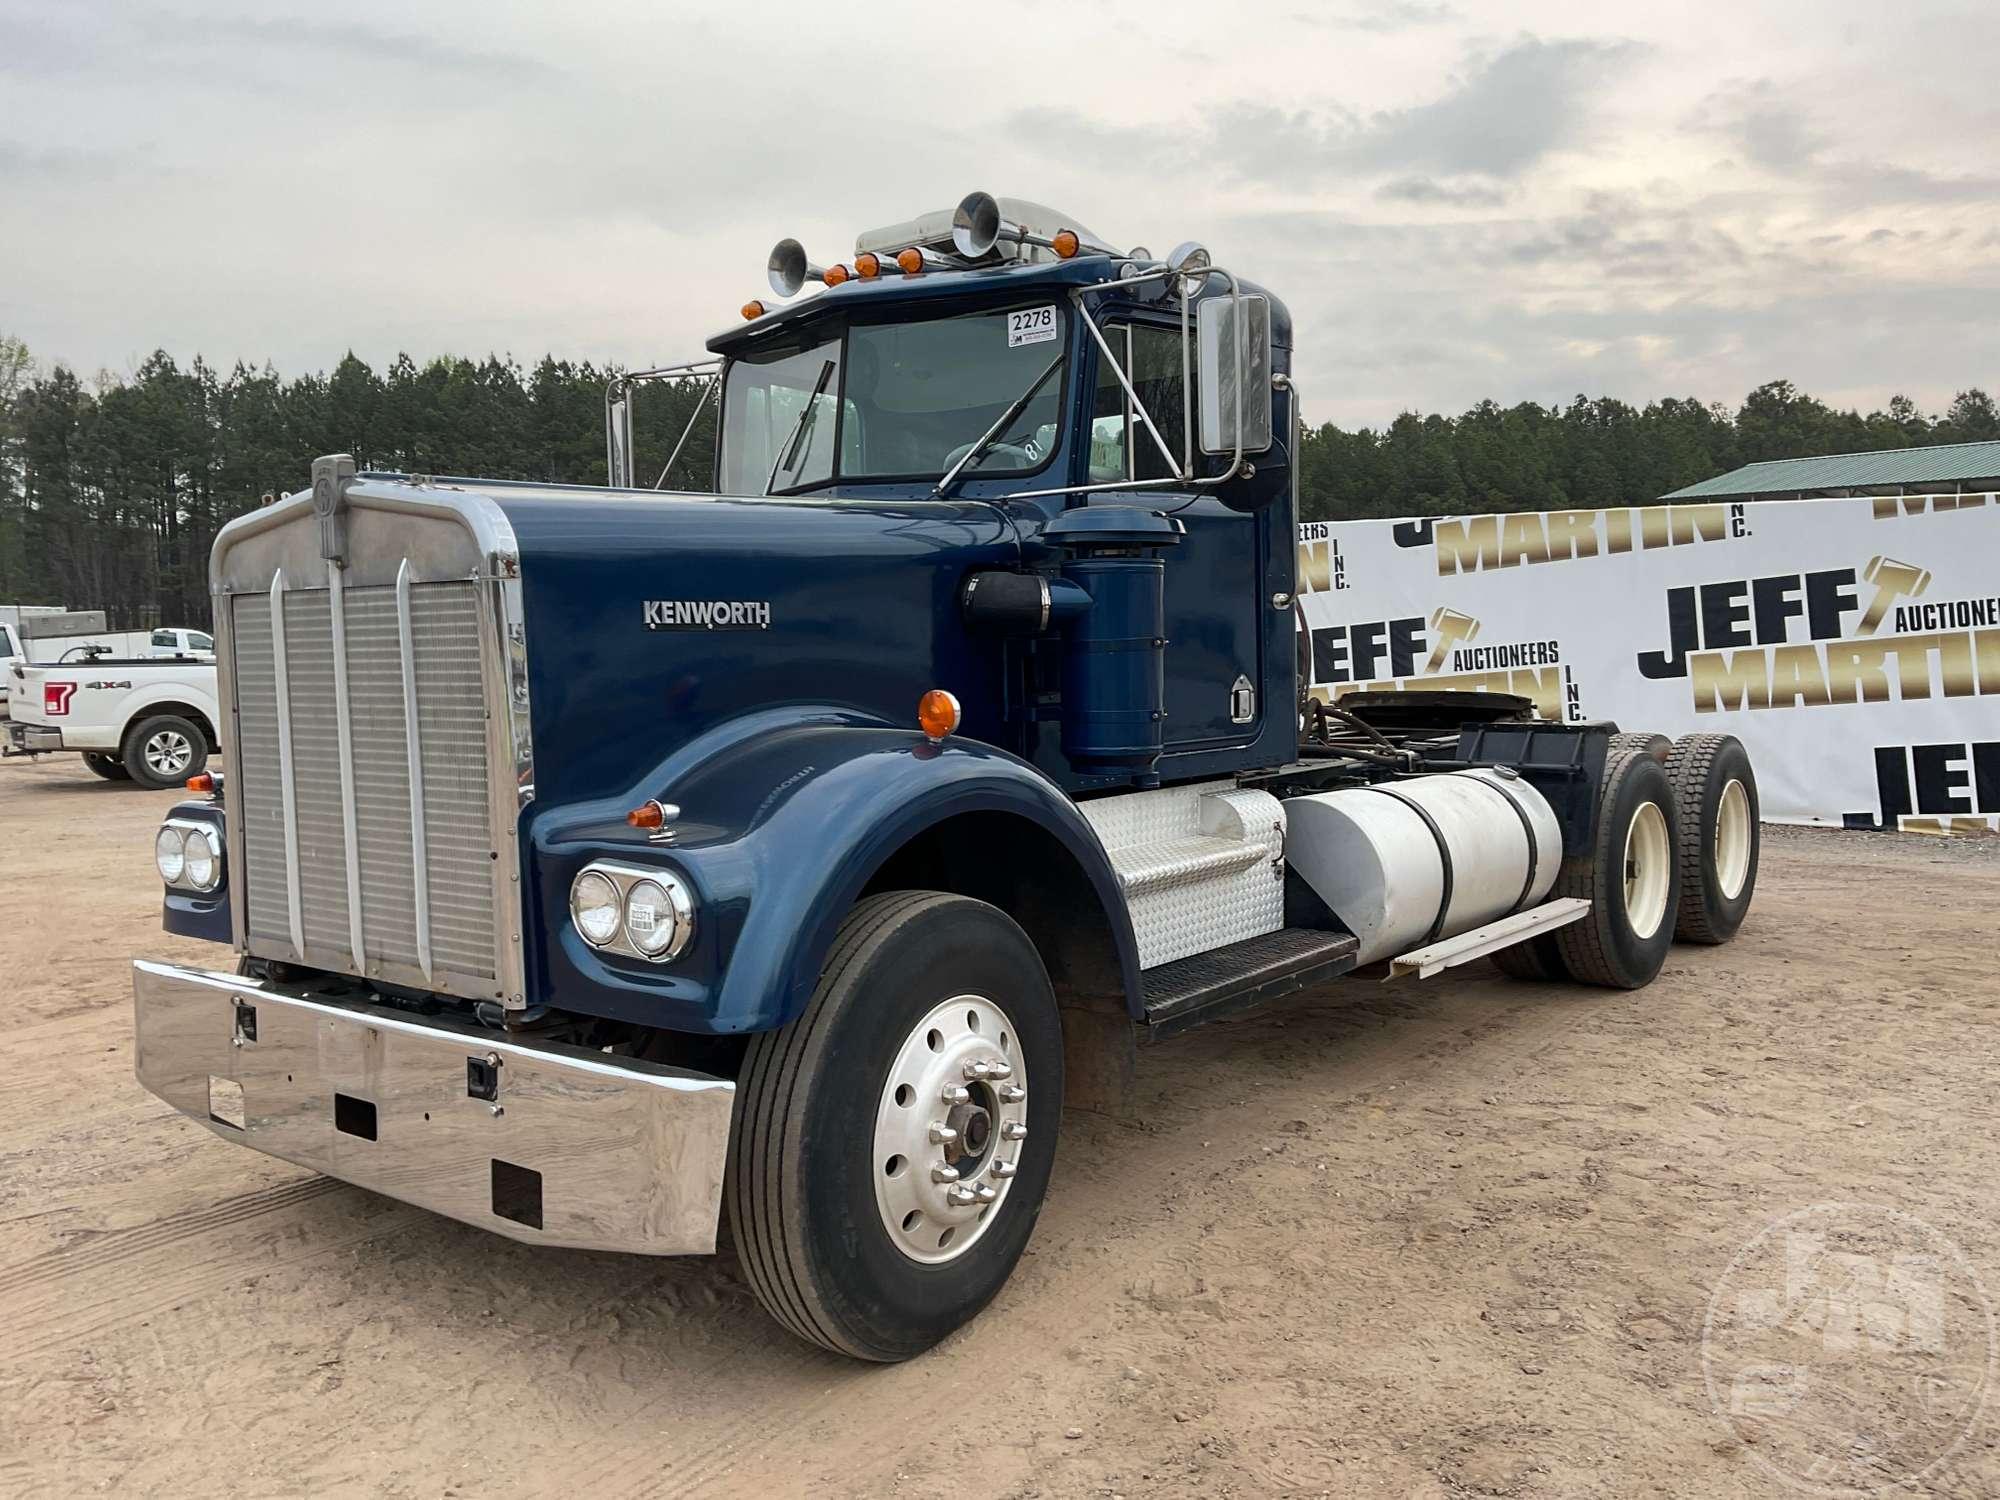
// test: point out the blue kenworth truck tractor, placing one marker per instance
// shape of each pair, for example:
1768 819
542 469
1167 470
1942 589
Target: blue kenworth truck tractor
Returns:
598 862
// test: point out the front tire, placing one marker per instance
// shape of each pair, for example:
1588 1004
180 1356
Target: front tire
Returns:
1631 878
867 1221
1718 835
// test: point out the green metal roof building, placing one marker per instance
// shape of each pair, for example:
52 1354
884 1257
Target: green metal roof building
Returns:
1949 469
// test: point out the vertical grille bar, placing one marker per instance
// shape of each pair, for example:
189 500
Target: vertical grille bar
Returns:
419 849
284 695
342 721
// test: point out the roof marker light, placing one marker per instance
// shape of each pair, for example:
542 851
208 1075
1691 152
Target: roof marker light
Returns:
754 309
835 275
868 265
911 261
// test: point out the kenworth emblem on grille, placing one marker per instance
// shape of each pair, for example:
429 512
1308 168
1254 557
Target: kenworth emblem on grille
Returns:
708 614
331 477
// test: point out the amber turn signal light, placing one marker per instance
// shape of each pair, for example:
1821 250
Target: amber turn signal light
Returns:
647 815
754 310
202 783
937 714
1065 243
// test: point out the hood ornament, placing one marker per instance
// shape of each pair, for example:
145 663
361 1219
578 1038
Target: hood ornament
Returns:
331 476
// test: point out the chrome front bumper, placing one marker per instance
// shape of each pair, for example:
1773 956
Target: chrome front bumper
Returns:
548 1144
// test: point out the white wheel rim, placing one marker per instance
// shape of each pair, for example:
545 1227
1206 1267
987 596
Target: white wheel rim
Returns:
943 1163
168 753
1648 853
1732 840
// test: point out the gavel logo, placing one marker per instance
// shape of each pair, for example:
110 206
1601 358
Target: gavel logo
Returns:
1451 629
1892 580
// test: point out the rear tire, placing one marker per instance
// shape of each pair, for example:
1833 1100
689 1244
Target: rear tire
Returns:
1656 745
1631 878
867 1257
1534 959
163 751
1718 835
110 767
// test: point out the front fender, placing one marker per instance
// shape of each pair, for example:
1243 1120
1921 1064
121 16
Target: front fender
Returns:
780 831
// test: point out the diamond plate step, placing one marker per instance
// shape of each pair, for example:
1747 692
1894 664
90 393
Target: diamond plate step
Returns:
1190 991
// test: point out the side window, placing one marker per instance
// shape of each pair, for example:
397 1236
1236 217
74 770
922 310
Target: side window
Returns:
6 641
165 638
1120 447
199 642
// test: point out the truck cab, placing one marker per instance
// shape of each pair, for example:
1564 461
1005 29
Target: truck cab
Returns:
599 861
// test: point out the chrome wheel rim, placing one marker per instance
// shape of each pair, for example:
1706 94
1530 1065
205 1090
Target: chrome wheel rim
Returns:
1648 865
948 1129
168 753
1732 840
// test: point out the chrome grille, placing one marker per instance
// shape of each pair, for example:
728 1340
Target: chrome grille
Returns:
441 923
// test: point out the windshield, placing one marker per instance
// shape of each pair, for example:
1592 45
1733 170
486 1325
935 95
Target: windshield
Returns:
903 401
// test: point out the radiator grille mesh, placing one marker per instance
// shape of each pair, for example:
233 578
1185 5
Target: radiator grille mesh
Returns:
451 737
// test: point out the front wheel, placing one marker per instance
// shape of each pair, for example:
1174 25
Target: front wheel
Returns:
892 1145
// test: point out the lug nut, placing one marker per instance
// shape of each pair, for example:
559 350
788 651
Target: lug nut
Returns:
986 1194
944 1174
1012 1093
1014 1130
987 1072
942 1134
953 1094
960 1196
1003 1169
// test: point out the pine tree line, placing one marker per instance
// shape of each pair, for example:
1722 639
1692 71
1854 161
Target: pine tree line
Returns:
111 491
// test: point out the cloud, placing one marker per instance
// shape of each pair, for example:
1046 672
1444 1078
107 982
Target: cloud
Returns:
1506 116
1384 16
1428 190
335 42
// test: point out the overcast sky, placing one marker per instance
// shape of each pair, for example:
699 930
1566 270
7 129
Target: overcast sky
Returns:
1524 199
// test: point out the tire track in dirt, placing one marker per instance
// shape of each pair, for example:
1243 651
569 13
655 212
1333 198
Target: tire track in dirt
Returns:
121 1275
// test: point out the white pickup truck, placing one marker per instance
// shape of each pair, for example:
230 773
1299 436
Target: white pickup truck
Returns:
150 721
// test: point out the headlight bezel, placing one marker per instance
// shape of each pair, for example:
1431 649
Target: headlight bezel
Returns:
676 899
187 830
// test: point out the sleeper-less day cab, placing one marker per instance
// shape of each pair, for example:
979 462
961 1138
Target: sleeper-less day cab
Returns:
601 861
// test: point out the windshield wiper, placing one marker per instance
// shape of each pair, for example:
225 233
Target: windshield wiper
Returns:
1007 418
788 451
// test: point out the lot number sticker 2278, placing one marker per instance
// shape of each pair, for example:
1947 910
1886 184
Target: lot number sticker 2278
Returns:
1031 325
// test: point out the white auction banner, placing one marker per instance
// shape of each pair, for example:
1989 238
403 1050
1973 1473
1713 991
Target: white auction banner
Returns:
1852 645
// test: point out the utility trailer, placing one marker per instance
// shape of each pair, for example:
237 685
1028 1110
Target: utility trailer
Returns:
597 863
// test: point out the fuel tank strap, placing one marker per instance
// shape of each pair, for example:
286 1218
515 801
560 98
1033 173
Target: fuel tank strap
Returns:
1444 855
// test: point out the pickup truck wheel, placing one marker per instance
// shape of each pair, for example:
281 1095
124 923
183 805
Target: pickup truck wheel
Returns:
110 767
164 751
892 1145
1631 878
1716 792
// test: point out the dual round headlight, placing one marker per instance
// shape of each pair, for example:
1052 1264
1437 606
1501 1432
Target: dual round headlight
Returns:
188 856
647 913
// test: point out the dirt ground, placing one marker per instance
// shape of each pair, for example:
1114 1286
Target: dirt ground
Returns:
1449 1239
